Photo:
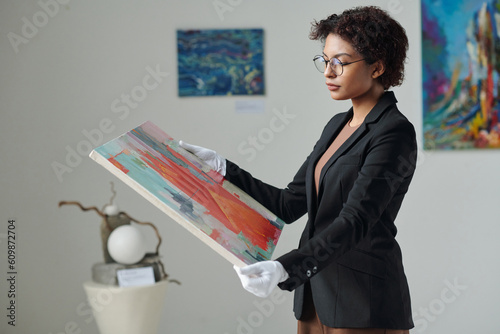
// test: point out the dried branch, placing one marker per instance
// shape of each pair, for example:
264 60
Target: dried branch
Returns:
100 213
112 196
61 203
165 275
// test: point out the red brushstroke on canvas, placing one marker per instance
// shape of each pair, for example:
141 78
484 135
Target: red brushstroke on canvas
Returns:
219 202
117 164
215 235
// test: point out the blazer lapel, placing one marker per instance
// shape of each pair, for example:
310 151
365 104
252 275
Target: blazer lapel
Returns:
328 136
341 150
385 101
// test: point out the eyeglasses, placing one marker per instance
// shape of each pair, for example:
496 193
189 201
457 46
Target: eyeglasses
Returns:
335 64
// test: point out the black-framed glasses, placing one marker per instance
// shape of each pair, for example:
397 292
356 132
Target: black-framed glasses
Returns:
335 64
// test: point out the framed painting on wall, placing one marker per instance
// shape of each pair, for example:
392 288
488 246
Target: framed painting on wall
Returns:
460 74
214 210
220 62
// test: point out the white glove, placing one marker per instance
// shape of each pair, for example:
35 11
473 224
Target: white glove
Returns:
210 157
262 277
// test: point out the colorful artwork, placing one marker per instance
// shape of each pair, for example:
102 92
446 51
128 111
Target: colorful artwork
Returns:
220 62
461 69
197 197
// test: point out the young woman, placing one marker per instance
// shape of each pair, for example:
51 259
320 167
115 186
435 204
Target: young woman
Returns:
347 272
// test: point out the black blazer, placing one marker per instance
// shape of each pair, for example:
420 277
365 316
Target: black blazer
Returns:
348 251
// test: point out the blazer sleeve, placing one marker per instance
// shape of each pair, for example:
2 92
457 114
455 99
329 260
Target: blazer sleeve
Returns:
385 175
289 203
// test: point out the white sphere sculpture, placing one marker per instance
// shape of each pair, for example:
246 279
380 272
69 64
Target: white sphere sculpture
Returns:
126 245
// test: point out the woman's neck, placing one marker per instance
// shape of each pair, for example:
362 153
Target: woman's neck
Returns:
362 105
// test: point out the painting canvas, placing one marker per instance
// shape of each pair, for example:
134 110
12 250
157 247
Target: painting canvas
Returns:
220 62
197 197
461 68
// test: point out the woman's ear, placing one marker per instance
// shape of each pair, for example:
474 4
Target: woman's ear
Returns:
378 68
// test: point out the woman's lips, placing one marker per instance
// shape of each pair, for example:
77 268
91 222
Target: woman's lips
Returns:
332 87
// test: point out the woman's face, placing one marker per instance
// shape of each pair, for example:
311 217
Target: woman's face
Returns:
358 80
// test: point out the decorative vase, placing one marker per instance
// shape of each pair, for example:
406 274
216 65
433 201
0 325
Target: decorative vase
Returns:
126 310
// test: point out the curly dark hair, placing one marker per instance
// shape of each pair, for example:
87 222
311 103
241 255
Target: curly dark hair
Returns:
373 34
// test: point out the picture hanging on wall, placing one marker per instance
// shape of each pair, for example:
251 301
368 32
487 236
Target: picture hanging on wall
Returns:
220 62
460 74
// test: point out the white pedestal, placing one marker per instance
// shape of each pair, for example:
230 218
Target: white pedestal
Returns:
129 310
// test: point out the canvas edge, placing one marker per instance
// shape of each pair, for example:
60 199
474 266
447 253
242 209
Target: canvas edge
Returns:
164 208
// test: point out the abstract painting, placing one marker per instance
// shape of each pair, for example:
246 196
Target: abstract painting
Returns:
220 62
197 197
461 72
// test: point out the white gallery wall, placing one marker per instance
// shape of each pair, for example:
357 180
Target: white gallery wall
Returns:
62 85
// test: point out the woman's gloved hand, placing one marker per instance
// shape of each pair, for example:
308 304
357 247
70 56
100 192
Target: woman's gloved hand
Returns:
262 277
210 157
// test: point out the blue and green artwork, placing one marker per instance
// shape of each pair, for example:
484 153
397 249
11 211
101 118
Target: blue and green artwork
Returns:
461 72
220 62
